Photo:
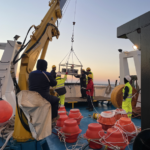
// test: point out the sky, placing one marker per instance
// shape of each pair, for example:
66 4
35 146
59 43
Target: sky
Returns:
95 37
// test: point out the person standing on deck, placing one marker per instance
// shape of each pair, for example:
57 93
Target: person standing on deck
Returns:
87 73
89 92
82 83
127 96
53 72
60 88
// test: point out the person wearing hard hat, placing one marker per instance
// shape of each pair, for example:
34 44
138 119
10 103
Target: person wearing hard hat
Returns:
89 92
53 72
60 88
82 83
87 73
127 96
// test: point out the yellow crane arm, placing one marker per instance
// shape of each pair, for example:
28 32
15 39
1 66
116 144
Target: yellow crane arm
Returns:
39 41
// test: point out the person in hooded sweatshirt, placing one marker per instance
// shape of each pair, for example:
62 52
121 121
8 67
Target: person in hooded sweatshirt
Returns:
127 96
40 81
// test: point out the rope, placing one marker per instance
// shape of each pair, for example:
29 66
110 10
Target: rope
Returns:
132 134
68 57
6 131
108 89
71 53
92 103
64 58
62 138
77 58
124 136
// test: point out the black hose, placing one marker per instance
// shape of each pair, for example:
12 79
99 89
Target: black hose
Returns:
85 146
23 46
48 24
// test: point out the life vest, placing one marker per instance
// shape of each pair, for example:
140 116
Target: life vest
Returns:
130 91
60 88
87 77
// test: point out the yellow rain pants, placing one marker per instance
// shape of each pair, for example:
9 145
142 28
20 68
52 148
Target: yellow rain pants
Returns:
62 99
127 106
127 103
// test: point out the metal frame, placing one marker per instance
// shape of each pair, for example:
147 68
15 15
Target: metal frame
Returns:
67 64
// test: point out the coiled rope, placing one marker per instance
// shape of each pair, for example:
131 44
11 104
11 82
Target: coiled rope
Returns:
7 131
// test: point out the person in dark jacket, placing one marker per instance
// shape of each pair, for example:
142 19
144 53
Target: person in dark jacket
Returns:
40 81
82 83
89 92
53 72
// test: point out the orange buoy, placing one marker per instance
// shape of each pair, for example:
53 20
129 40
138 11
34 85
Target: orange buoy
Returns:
117 96
120 113
94 132
71 130
60 121
107 119
62 108
115 138
127 126
75 114
6 111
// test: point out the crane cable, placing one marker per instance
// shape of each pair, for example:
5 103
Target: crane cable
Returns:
72 40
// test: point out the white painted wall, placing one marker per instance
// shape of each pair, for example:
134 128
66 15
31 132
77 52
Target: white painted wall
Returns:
124 67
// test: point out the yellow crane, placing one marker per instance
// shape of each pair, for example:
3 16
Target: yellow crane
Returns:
39 42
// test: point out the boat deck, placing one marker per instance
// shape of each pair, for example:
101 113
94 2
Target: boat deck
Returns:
73 100
53 140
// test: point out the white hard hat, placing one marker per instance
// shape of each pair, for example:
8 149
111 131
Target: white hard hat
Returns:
128 78
58 74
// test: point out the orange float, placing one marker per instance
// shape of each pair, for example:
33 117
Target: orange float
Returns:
120 113
71 130
62 108
115 139
6 111
60 121
75 114
127 126
107 119
94 132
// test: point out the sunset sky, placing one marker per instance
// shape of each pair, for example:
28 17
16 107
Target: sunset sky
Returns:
96 43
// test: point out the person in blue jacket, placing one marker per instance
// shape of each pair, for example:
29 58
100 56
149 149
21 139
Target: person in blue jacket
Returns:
40 81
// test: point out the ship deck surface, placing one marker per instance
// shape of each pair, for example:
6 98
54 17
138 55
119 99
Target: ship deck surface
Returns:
77 99
53 140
